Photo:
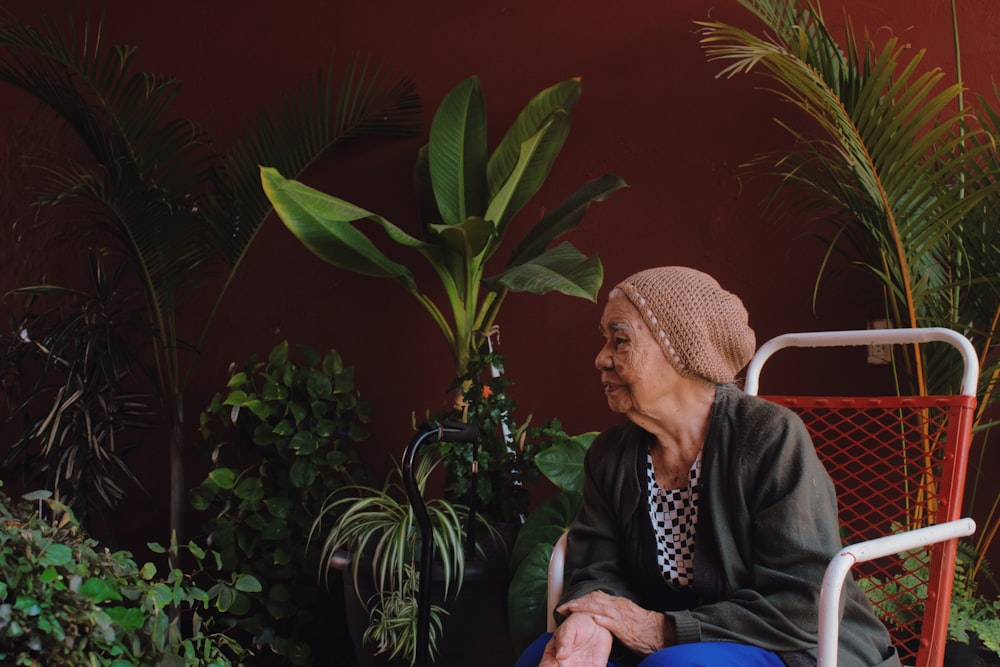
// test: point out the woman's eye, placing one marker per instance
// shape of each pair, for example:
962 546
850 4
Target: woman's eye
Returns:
620 341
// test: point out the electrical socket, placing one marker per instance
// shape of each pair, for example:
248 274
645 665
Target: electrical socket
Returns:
879 354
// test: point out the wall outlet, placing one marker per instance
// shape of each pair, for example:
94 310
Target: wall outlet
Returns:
879 354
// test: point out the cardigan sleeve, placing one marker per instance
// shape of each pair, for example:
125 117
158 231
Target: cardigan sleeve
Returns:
596 557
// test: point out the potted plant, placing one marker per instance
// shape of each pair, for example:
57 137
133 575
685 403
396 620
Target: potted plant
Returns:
374 538
974 619
68 377
468 197
282 438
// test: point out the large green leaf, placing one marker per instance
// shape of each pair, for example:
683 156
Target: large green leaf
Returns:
457 153
527 593
565 217
527 599
322 113
468 238
538 153
322 223
562 269
562 464
550 519
562 96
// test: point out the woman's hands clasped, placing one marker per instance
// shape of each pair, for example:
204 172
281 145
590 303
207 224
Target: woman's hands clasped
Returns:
641 630
578 642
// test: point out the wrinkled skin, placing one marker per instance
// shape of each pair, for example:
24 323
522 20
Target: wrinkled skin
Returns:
578 642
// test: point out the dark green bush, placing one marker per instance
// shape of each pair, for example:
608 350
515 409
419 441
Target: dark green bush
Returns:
64 601
283 439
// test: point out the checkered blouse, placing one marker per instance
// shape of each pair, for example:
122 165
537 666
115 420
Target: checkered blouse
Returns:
675 516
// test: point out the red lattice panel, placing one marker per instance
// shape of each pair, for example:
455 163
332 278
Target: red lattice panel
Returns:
896 463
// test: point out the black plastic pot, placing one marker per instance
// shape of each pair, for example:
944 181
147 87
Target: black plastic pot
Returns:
957 654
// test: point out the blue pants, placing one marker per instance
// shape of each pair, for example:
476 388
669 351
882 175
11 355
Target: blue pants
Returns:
701 654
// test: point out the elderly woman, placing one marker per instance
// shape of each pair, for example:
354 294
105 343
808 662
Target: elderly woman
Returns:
707 520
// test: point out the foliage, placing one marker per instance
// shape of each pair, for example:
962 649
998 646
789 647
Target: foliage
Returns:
283 438
976 619
64 602
377 527
393 628
561 462
66 377
467 200
504 457
176 209
903 174
972 618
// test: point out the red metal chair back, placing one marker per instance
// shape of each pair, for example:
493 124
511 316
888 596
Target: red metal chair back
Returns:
897 463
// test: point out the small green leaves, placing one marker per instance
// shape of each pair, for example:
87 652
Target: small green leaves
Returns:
247 584
99 590
250 489
300 417
55 554
63 601
224 478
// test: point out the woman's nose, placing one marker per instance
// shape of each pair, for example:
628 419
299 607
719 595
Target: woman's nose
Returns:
602 361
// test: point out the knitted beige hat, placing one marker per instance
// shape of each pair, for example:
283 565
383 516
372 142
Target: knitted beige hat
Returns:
701 328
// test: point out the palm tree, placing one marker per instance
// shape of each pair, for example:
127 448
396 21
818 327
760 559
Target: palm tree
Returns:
175 209
886 156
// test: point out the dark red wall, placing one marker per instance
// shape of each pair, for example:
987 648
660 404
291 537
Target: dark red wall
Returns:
652 111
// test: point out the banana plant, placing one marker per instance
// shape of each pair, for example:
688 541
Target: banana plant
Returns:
468 197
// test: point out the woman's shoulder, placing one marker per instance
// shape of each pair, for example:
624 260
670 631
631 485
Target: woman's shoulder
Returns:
754 424
736 403
616 439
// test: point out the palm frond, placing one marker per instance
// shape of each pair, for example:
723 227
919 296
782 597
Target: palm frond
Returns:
318 115
887 149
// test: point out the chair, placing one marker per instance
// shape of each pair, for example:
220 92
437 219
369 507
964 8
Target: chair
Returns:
898 466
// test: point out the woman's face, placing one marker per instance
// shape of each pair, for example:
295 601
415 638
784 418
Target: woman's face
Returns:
634 371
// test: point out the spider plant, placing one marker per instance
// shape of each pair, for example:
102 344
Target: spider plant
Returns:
178 211
905 178
393 627
377 527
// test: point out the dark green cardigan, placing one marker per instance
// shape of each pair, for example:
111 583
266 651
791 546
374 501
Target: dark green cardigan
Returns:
767 528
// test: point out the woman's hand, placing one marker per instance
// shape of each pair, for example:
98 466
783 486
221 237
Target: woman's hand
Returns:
578 642
641 630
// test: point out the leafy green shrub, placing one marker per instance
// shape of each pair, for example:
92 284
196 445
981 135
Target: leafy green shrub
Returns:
378 530
283 438
504 459
65 602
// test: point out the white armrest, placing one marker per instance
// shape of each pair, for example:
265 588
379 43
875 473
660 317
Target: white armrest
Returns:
556 562
844 560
